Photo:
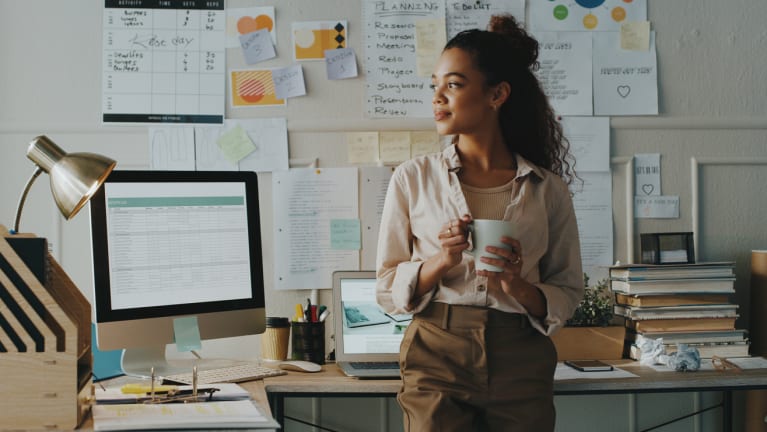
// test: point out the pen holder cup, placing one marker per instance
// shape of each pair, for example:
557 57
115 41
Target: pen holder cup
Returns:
308 341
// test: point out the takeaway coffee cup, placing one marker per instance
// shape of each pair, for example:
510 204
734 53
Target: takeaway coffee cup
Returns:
488 232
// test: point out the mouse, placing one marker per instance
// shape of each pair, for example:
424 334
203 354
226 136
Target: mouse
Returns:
300 366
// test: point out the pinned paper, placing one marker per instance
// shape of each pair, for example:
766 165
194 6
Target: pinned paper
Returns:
341 63
289 81
423 142
429 41
635 35
394 146
253 88
345 234
362 147
647 174
186 334
257 46
235 144
662 207
240 21
312 38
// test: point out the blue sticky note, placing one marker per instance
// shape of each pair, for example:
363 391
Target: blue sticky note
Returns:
345 234
186 334
257 46
106 364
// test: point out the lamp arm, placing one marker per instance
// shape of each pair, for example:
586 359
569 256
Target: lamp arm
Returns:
23 198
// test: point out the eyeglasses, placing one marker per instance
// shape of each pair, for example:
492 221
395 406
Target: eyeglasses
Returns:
722 364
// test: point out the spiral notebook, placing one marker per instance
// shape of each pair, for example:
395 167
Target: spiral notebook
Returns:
367 339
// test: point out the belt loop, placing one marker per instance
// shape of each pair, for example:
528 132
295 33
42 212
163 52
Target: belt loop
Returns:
446 317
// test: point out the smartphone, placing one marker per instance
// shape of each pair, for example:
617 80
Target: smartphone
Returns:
589 365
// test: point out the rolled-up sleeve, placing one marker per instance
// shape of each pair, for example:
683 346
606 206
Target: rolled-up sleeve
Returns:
561 271
397 274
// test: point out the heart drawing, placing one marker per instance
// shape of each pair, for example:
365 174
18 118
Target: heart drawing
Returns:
624 90
647 188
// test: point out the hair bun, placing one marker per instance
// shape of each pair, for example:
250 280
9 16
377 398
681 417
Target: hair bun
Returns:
524 47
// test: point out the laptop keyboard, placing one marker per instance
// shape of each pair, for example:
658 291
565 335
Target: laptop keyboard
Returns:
374 365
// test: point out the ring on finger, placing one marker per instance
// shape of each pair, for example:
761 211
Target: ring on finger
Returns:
517 261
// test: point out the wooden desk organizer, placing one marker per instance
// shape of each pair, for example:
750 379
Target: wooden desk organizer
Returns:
45 341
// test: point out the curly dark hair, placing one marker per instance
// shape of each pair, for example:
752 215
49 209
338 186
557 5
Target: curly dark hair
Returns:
506 52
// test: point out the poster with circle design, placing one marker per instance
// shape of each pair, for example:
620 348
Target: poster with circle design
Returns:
253 87
241 21
585 15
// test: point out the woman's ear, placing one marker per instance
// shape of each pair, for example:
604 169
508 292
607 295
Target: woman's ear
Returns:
501 93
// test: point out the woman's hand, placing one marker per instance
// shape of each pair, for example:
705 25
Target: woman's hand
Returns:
454 239
510 261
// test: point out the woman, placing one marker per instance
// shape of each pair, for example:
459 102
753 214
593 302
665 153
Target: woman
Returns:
477 354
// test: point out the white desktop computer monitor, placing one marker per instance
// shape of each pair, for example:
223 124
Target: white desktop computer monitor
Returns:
171 248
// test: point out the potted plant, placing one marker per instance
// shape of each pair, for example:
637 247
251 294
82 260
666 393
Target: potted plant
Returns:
589 333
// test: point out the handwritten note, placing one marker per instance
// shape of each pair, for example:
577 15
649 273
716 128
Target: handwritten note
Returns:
563 73
164 64
589 142
394 146
257 46
345 234
235 144
635 35
662 207
430 39
362 147
475 14
289 82
394 88
423 142
341 63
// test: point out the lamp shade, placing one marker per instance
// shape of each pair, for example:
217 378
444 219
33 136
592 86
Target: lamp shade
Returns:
75 177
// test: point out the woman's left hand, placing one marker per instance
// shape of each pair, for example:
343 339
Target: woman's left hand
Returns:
510 261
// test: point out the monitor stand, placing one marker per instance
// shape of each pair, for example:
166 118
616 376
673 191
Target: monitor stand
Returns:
138 362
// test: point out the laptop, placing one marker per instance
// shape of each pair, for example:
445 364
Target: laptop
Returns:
367 339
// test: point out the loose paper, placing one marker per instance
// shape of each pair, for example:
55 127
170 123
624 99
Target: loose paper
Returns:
423 142
593 211
341 63
661 207
625 82
475 14
581 15
362 147
171 148
374 181
635 35
240 21
269 136
257 46
235 144
394 146
305 201
253 87
565 71
589 139
430 40
647 174
289 82
312 38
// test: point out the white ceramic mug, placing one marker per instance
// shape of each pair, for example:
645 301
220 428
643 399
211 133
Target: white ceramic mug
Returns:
488 232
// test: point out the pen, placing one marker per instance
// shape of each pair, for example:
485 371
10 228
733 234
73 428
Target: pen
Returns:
299 317
324 315
308 311
314 313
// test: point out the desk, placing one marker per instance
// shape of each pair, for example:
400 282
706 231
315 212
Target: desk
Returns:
331 382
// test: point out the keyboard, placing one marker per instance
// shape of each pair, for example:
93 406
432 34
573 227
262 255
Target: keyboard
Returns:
229 374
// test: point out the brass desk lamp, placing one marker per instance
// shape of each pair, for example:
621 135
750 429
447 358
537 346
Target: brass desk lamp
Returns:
45 353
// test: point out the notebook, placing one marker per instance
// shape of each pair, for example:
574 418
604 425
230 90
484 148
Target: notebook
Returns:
367 339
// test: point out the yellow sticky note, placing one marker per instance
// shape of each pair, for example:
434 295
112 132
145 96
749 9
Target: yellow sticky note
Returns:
430 39
635 35
235 144
394 146
423 142
362 147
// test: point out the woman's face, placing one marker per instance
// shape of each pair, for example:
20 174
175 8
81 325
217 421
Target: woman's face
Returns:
462 103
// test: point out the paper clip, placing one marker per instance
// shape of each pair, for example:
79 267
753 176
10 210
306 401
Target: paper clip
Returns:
722 364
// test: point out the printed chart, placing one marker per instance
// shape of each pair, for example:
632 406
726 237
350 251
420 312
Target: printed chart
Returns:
164 61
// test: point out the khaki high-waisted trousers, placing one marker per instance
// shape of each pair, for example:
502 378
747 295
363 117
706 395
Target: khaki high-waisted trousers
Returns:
468 368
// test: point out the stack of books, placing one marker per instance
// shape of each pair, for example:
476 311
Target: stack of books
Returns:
680 303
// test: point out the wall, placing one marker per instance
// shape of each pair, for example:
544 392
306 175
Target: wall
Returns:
713 101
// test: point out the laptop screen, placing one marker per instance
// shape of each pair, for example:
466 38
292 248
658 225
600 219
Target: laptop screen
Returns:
366 328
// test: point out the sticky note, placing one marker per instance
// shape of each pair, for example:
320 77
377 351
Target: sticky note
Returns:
345 234
235 144
429 40
257 46
289 81
394 146
186 334
362 147
635 35
340 63
423 142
